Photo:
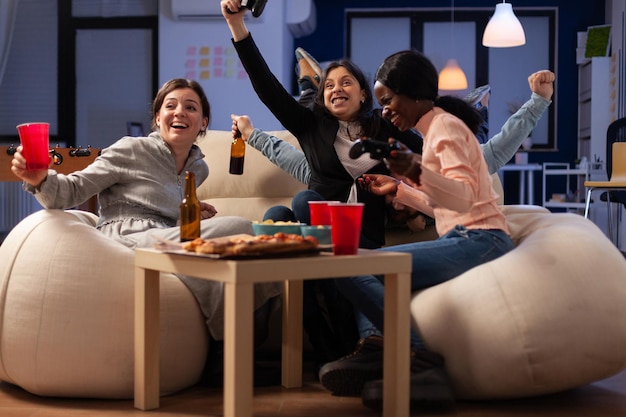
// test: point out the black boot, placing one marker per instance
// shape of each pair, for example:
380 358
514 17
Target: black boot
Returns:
430 386
348 375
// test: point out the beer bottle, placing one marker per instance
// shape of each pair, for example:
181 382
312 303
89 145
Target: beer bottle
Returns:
237 153
190 210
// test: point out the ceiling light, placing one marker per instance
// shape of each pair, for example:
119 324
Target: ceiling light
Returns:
452 76
504 30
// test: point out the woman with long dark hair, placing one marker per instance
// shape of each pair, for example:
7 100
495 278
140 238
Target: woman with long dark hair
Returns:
450 182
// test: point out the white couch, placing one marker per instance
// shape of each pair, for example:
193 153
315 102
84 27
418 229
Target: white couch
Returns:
548 316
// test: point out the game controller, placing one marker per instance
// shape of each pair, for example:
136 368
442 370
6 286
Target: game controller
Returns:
376 148
255 6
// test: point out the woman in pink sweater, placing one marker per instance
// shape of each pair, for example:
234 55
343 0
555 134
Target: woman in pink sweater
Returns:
450 182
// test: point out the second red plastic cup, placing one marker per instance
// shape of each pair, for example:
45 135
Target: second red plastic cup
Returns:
35 145
319 213
345 220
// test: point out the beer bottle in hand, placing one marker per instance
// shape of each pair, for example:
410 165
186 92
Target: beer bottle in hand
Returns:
190 210
237 153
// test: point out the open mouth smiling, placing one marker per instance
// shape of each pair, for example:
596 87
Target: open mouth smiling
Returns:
339 100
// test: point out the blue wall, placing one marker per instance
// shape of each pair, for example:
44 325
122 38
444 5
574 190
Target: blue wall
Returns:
327 42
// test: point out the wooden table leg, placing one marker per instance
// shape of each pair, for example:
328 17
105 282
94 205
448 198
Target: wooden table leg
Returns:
396 361
147 339
292 334
238 349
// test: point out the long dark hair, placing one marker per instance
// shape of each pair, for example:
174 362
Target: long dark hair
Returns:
176 84
412 74
365 116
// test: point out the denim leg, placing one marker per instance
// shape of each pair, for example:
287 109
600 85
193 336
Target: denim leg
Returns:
433 262
279 213
483 130
300 204
451 255
367 293
366 328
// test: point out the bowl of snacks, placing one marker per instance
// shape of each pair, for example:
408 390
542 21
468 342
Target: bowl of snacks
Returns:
322 233
270 227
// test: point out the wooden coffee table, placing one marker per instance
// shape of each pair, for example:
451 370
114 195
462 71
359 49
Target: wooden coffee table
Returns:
239 277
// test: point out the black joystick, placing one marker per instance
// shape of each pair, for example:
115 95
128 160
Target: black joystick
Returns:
376 148
255 6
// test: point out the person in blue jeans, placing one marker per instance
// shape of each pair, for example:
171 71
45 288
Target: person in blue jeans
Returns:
450 182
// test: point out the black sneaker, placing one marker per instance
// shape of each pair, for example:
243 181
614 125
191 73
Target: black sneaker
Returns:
347 376
430 385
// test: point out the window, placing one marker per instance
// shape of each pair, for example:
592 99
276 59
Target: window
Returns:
430 31
29 84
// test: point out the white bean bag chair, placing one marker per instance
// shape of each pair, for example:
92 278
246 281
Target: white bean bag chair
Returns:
67 313
546 317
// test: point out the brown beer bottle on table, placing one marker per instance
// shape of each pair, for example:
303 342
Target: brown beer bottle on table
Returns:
237 153
190 210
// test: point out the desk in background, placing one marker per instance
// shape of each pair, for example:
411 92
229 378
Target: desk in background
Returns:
527 169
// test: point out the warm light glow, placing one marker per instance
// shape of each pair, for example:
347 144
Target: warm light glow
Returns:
504 30
452 77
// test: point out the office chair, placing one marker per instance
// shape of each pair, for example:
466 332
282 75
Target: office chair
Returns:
615 186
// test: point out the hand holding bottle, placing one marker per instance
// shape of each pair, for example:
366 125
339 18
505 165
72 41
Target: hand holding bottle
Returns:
243 124
237 152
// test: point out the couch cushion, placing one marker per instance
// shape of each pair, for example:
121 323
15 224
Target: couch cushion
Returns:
548 316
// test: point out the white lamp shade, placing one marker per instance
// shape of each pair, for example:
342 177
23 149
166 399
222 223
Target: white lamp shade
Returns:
452 77
504 30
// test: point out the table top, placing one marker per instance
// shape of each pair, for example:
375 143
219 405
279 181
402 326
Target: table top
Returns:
521 167
322 265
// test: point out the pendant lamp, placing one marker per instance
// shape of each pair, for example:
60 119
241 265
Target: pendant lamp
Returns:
504 30
452 76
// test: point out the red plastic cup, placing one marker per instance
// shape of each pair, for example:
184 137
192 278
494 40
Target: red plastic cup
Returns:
320 213
35 145
345 220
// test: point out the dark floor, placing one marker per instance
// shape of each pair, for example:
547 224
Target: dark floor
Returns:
603 398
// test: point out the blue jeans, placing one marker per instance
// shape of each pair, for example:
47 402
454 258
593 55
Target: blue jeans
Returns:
483 131
299 208
434 262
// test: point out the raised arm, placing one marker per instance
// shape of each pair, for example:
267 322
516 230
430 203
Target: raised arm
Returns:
282 154
503 146
233 14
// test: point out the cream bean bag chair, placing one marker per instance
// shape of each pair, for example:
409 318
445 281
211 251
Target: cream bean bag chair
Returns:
67 313
548 316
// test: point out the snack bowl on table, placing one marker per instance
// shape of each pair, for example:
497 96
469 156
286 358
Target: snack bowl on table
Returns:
322 233
267 228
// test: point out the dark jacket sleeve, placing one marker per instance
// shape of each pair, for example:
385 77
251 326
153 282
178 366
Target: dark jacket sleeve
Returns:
284 107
